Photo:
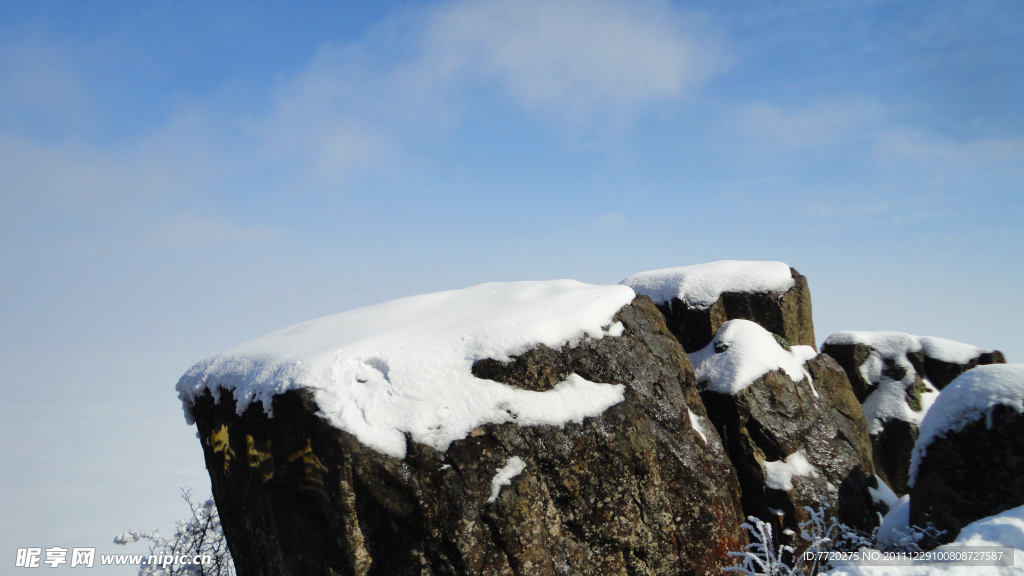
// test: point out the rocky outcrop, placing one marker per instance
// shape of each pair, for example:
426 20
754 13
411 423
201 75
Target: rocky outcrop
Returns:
644 488
795 442
941 372
786 313
971 474
899 353
896 376
969 462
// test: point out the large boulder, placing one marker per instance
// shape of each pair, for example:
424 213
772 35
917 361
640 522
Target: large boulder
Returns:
696 300
940 369
792 425
968 462
527 428
896 377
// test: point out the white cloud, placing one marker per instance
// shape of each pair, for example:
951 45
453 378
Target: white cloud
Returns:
573 58
72 175
852 121
821 209
867 206
822 123
583 63
198 230
332 116
889 169
368 105
334 145
181 152
946 154
106 186
610 222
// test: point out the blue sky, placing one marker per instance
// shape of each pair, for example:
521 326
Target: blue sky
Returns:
179 177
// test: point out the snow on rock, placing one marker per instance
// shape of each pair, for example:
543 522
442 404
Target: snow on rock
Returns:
968 398
891 344
882 494
760 399
503 476
936 356
803 353
742 352
405 366
897 377
950 351
695 422
888 350
779 474
888 402
889 368
700 285
895 527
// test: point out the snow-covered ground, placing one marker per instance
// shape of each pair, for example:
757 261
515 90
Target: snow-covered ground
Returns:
1005 529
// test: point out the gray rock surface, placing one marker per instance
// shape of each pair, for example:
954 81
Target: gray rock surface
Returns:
638 490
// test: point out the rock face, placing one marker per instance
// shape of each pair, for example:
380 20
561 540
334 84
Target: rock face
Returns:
852 352
793 448
645 488
940 372
896 376
787 314
970 474
969 461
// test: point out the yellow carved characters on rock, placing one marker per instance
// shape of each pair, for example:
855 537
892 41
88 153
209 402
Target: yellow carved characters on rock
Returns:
312 468
219 443
263 460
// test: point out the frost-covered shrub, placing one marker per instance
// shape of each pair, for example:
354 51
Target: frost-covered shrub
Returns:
762 558
199 536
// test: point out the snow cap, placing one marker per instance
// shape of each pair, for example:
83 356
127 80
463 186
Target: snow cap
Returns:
701 285
748 352
889 400
969 398
893 344
404 367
